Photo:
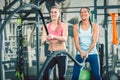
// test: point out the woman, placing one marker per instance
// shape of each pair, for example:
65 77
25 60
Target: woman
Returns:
85 38
58 32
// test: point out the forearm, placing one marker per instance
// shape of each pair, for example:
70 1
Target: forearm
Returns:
43 40
78 47
94 39
91 47
60 38
43 37
80 51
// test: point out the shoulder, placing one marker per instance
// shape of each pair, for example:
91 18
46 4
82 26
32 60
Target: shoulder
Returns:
64 24
95 25
48 24
75 26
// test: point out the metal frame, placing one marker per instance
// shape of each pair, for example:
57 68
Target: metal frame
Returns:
1 75
105 7
10 5
27 12
37 32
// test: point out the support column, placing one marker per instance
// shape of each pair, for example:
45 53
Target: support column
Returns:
37 41
1 72
106 36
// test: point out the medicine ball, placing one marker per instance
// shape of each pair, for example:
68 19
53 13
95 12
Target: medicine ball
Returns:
84 75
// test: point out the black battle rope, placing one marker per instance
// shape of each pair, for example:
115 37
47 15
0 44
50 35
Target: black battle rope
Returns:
51 57
43 21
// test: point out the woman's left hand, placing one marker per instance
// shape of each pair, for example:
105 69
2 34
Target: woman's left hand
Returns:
50 36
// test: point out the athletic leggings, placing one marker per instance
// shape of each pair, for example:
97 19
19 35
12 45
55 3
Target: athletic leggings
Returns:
61 61
94 63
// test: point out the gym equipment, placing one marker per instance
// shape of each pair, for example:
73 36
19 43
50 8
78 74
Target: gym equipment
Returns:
101 54
84 75
1 67
73 20
19 75
46 45
111 76
115 39
92 16
105 8
50 58
16 11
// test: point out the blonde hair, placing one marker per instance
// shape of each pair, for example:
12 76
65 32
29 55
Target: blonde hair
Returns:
56 7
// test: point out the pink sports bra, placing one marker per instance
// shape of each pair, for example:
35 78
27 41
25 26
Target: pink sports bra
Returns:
58 32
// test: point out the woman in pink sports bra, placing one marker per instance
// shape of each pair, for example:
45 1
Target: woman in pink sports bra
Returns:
58 32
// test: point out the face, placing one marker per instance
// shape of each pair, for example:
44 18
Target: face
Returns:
84 13
55 14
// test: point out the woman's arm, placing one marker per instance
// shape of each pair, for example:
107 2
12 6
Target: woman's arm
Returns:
65 33
76 38
44 35
94 38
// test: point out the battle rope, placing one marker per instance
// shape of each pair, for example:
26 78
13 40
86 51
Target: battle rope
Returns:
51 57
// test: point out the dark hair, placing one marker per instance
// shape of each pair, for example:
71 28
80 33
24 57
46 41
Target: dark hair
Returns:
88 9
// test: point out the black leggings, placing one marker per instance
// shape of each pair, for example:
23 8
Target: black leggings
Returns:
61 61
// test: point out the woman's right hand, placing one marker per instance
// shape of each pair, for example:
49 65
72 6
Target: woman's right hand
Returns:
84 55
50 36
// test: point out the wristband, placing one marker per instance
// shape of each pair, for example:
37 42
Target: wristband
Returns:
53 37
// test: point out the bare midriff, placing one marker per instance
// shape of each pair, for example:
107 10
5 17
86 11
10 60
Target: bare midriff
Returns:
56 45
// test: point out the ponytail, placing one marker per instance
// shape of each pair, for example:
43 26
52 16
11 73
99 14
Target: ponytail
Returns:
91 24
